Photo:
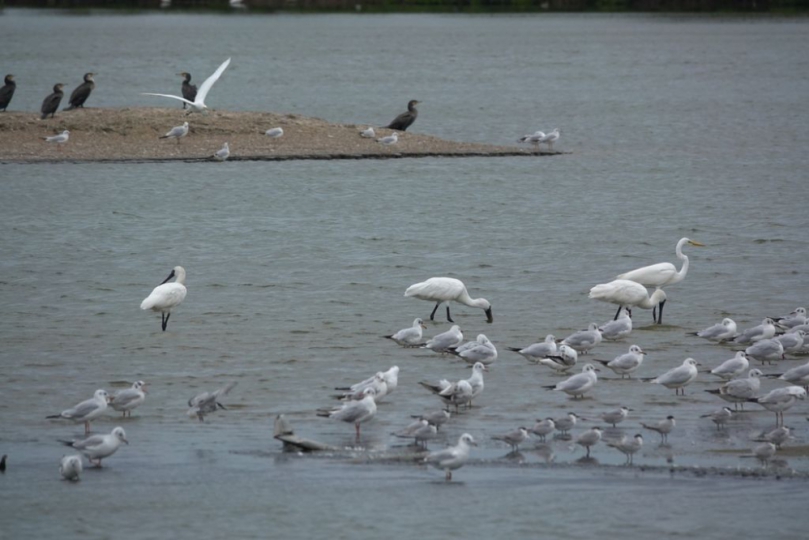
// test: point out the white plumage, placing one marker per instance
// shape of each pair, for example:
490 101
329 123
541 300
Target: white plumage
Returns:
627 294
446 289
198 105
167 296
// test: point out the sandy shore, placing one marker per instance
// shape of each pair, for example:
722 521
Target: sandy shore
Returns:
132 134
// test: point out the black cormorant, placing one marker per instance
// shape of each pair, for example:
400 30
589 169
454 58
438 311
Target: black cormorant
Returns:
189 90
52 102
82 92
7 92
406 119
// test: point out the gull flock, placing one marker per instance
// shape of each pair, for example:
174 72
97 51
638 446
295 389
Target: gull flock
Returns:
460 393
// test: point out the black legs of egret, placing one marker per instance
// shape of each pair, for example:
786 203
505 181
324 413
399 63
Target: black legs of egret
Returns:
164 319
659 319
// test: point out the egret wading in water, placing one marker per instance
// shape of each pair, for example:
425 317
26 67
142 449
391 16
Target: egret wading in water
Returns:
665 273
628 294
198 105
445 289
167 296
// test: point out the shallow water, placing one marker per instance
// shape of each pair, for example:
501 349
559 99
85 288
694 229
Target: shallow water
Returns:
678 127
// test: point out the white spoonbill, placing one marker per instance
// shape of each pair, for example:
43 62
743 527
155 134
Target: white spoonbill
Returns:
167 296
627 294
662 274
198 105
445 289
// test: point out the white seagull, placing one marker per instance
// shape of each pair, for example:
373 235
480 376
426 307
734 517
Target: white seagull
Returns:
124 401
167 296
627 363
368 133
533 353
446 289
275 132
87 410
98 447
618 328
679 377
664 427
798 375
443 342
723 331
765 350
377 383
534 138
765 330
198 105
390 378
628 294
176 132
410 336
719 417
779 400
740 390
393 138
223 153
584 340
482 350
70 468
453 457
579 384
354 412
792 342
730 368
61 138
550 138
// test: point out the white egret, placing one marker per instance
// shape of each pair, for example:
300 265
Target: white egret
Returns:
662 274
627 293
198 105
167 296
445 289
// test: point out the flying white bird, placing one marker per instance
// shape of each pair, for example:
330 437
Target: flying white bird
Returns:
198 105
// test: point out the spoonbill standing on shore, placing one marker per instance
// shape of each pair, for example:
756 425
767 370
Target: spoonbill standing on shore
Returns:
445 289
167 296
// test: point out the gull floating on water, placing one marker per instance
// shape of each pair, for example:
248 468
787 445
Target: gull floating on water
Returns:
274 133
208 402
124 401
765 330
368 133
443 342
71 467
513 438
167 296
87 410
98 447
627 363
618 328
354 412
733 367
198 105
410 336
723 331
176 132
223 153
579 384
452 458
679 377
584 340
446 289
663 427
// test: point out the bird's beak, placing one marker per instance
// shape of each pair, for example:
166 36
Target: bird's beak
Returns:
126 441
143 389
596 369
424 326
489 316
168 278
695 243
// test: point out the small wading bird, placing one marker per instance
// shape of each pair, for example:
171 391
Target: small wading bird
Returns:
124 401
98 447
198 104
87 410
82 92
663 427
452 458
445 289
406 119
167 296
51 103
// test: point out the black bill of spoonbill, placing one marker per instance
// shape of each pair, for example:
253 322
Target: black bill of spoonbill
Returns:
446 289
198 105
167 296
628 294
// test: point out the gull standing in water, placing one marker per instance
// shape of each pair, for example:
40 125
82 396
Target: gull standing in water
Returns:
765 330
719 417
98 447
453 457
533 353
740 390
618 328
765 350
584 340
208 402
410 336
579 384
389 377
421 431
627 363
792 342
566 423
377 383
443 342
124 401
730 368
87 410
70 468
616 416
354 412
628 447
482 350
198 105
446 289
167 296
513 438
796 318
777 436
663 427
798 375
679 377
779 400
719 332
543 428
436 418
589 438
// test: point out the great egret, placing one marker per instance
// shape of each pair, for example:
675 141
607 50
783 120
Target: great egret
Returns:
445 289
662 274
627 294
167 296
198 105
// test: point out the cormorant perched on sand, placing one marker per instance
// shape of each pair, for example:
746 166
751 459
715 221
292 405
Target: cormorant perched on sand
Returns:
82 92
52 102
189 90
406 119
7 92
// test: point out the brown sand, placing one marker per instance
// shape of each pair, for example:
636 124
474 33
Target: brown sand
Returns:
132 134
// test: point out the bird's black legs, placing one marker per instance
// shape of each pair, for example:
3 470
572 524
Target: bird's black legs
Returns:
660 315
165 319
617 313
432 315
449 317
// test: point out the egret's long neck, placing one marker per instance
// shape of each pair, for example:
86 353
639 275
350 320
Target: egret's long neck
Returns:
680 255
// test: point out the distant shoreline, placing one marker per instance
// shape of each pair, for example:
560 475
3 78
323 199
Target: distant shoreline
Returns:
132 135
